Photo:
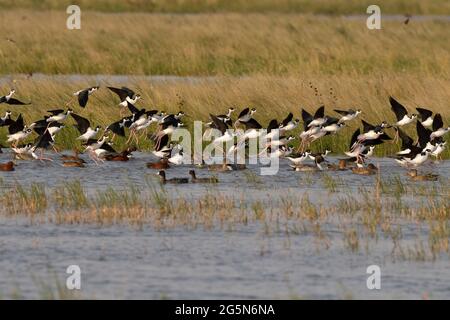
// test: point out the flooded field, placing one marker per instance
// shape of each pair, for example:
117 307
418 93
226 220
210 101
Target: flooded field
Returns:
293 235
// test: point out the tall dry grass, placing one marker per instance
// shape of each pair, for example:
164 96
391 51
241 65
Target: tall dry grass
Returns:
273 97
183 6
235 44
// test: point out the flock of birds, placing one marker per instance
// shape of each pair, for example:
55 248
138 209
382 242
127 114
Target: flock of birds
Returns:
100 147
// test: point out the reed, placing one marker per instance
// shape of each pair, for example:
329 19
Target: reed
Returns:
273 97
220 44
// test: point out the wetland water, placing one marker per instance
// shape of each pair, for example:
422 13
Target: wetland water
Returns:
120 261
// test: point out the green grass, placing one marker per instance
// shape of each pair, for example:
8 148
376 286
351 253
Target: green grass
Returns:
332 7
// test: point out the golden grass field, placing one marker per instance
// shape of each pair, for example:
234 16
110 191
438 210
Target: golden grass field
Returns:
268 61
234 44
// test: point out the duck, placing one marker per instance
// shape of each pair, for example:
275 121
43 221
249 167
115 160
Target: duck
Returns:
161 164
194 178
123 156
162 175
9 166
73 157
341 166
72 164
365 171
226 167
425 177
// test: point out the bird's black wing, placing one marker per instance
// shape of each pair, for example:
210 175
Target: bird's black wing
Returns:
17 125
123 94
162 142
83 97
82 123
399 110
117 128
252 124
330 121
307 118
367 126
132 108
44 141
320 112
273 124
55 112
354 137
423 134
407 141
437 122
287 119
424 113
341 112
130 93
16 102
243 112
220 125
2 99
108 148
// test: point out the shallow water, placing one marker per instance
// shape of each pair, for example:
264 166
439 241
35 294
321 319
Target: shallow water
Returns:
121 262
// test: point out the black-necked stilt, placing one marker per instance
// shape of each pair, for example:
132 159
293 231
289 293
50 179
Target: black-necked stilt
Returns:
126 95
332 125
58 115
252 130
415 158
177 158
166 128
347 115
43 142
226 117
6 120
370 132
298 158
289 123
426 117
118 127
84 127
194 178
18 136
223 128
162 175
401 113
439 149
83 95
319 118
438 127
245 115
8 99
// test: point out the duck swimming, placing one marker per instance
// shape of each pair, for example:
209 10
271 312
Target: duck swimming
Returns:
194 178
425 177
9 166
365 171
162 175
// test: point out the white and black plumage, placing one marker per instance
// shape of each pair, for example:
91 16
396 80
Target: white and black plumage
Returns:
58 115
289 123
245 115
332 125
83 95
438 127
426 117
319 118
298 158
41 126
84 127
414 158
166 128
252 130
401 113
347 115
370 132
223 128
126 95
43 142
8 99
5 120
118 127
